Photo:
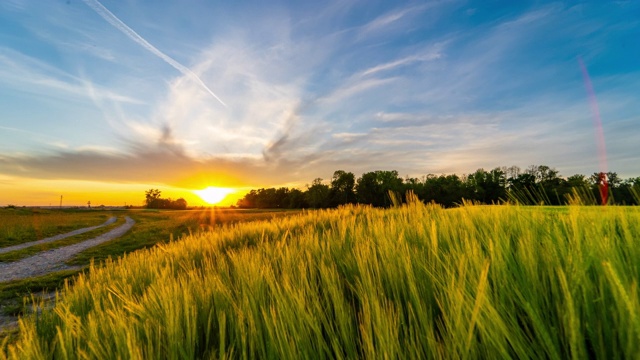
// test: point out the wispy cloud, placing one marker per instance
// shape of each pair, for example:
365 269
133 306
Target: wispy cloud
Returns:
118 24
384 21
14 4
22 72
402 62
312 93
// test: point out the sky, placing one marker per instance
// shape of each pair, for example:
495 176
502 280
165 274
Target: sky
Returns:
101 100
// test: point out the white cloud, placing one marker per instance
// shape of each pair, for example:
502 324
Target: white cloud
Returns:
25 73
304 102
118 24
384 21
401 62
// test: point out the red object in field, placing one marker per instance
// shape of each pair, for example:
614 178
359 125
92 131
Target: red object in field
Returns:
603 184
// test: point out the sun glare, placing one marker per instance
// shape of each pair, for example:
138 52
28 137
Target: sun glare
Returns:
213 195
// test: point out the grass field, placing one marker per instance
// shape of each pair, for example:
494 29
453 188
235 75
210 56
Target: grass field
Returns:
410 282
152 227
20 225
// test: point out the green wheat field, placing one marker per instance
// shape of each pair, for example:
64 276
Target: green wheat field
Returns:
415 281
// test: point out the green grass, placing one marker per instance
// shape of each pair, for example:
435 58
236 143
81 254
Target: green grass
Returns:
32 250
153 227
20 225
410 282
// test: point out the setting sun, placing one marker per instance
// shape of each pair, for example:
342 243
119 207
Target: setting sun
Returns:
213 195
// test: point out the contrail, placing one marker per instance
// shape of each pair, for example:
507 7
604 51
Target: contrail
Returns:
118 24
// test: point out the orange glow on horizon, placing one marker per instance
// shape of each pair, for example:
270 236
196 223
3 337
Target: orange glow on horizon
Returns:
40 192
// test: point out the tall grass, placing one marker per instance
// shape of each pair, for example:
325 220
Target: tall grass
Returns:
153 227
409 282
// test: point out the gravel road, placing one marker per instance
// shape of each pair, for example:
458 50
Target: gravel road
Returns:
55 238
54 260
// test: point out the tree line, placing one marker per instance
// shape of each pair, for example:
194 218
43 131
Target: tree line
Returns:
154 200
536 184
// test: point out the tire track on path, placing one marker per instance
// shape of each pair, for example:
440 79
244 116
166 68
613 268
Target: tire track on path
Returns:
54 260
55 238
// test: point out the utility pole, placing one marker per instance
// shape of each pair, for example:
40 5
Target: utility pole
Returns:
60 201
89 204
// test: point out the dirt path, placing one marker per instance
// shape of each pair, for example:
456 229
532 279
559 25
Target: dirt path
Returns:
55 238
54 260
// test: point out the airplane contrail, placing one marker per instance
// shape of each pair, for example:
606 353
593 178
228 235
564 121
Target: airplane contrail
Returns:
118 24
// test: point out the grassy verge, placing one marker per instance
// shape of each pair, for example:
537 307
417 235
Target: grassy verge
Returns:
20 225
17 297
32 250
410 282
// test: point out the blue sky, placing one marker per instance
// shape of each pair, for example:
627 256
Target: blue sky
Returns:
278 93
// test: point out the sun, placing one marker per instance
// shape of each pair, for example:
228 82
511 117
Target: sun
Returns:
213 195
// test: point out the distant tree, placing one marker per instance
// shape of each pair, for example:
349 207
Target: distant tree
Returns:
248 201
342 188
613 186
282 198
373 187
368 191
297 199
577 181
488 186
266 198
551 185
317 194
447 190
152 198
511 171
536 184
390 181
414 185
272 198
180 204
629 192
613 179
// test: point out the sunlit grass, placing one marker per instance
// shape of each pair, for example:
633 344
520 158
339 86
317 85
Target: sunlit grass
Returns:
20 225
152 227
408 282
32 250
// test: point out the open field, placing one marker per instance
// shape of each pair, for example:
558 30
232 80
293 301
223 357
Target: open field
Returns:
152 227
410 282
20 225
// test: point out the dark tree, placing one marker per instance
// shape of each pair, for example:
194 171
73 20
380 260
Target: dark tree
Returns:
535 185
180 204
447 190
488 186
249 200
317 195
368 191
342 188
373 187
577 181
297 199
152 198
